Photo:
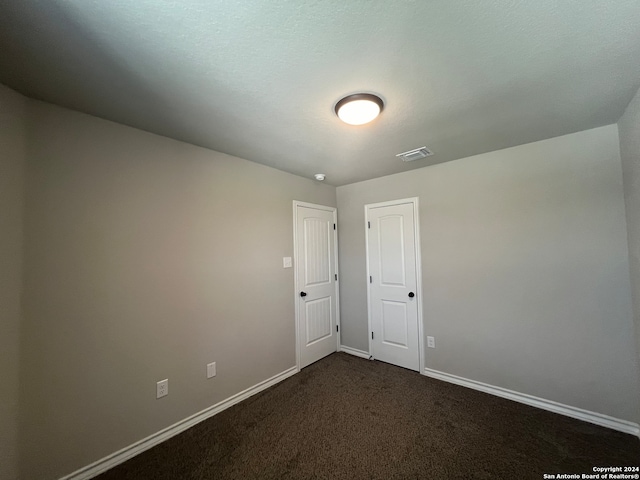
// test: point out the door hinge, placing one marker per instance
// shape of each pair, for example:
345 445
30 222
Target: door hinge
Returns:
369 224
337 328
370 279
371 335
336 277
334 226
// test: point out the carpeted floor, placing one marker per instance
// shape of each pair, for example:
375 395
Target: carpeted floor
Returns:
349 418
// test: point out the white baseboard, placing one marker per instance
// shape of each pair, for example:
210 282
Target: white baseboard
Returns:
126 453
569 411
355 351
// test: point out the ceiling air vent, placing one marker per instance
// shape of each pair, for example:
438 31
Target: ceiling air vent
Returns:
415 154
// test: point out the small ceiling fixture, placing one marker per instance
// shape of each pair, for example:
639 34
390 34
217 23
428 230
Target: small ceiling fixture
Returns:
359 108
319 176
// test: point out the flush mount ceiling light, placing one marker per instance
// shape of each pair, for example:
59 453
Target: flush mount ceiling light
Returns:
319 176
359 108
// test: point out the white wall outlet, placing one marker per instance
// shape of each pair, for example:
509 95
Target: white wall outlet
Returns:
286 262
162 388
211 370
431 342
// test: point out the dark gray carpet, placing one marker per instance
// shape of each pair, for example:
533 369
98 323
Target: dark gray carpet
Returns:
348 418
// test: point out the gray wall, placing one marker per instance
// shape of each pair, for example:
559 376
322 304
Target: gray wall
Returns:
12 160
524 269
145 258
629 131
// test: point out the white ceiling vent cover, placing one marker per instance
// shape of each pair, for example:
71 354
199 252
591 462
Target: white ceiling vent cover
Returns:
415 154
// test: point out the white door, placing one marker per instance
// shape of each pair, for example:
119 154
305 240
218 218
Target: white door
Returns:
393 283
316 281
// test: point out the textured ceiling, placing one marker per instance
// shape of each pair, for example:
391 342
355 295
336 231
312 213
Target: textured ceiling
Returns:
259 79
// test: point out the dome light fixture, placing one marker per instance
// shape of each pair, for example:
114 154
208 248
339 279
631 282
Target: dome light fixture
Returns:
319 176
359 108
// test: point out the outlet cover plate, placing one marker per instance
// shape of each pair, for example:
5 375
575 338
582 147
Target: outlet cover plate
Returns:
211 370
162 388
431 342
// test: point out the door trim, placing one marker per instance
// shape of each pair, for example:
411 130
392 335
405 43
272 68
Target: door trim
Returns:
296 288
416 219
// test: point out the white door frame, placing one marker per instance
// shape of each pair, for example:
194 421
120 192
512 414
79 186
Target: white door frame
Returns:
416 219
296 288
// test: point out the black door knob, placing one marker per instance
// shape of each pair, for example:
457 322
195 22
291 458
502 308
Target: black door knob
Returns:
303 294
411 294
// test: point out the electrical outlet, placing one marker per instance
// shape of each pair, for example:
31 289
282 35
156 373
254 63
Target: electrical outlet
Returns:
431 342
162 388
211 369
286 262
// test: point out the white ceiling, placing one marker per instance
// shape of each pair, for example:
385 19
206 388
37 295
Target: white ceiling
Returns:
259 79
